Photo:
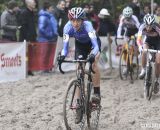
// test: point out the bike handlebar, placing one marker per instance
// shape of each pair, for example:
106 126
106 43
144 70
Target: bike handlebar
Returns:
75 61
122 38
151 50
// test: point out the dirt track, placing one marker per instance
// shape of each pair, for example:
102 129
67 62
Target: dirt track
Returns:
36 104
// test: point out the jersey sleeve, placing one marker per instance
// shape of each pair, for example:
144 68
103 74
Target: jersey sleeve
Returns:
92 35
66 30
139 37
119 30
157 28
137 23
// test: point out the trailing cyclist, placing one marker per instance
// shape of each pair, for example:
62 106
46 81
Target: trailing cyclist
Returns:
86 43
128 23
150 31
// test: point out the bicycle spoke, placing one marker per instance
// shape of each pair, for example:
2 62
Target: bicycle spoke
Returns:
93 118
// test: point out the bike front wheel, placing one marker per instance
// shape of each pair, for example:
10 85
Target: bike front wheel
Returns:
69 110
93 111
153 77
149 81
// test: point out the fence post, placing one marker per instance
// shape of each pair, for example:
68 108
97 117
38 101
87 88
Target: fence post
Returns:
110 52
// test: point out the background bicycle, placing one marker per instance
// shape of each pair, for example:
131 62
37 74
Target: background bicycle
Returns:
129 62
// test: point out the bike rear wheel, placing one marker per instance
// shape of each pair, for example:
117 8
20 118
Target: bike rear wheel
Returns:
134 67
69 111
93 111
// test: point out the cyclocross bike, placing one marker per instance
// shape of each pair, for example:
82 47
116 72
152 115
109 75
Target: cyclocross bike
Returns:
88 110
149 80
129 60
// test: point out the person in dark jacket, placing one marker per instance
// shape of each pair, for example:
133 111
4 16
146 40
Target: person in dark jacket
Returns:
47 24
27 22
93 17
9 21
135 5
106 26
61 16
146 10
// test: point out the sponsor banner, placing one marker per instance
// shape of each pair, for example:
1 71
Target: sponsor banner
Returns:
12 61
104 57
41 56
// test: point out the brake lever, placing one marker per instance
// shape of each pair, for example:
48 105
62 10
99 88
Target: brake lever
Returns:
91 69
60 67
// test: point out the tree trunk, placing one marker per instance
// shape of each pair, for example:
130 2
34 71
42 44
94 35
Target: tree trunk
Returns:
112 3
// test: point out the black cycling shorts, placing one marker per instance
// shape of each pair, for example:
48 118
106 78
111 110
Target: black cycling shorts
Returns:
84 49
131 31
153 42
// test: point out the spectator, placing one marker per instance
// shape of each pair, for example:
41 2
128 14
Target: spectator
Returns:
61 16
135 5
93 17
106 27
47 24
86 10
157 14
68 5
155 5
27 21
9 22
146 10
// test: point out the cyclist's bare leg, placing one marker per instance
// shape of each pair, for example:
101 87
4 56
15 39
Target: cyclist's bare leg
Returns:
143 62
96 81
96 76
126 40
157 72
144 56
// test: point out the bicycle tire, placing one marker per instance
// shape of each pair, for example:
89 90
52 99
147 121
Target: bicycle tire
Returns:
147 81
134 67
93 114
70 123
122 64
153 81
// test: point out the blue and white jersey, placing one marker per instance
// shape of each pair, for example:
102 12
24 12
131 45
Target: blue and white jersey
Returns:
85 34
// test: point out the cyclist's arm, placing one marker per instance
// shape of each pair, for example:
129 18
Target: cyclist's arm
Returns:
119 30
65 45
65 40
136 21
93 37
139 37
157 28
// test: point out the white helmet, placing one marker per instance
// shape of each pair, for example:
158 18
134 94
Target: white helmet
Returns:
127 12
104 12
76 13
149 19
